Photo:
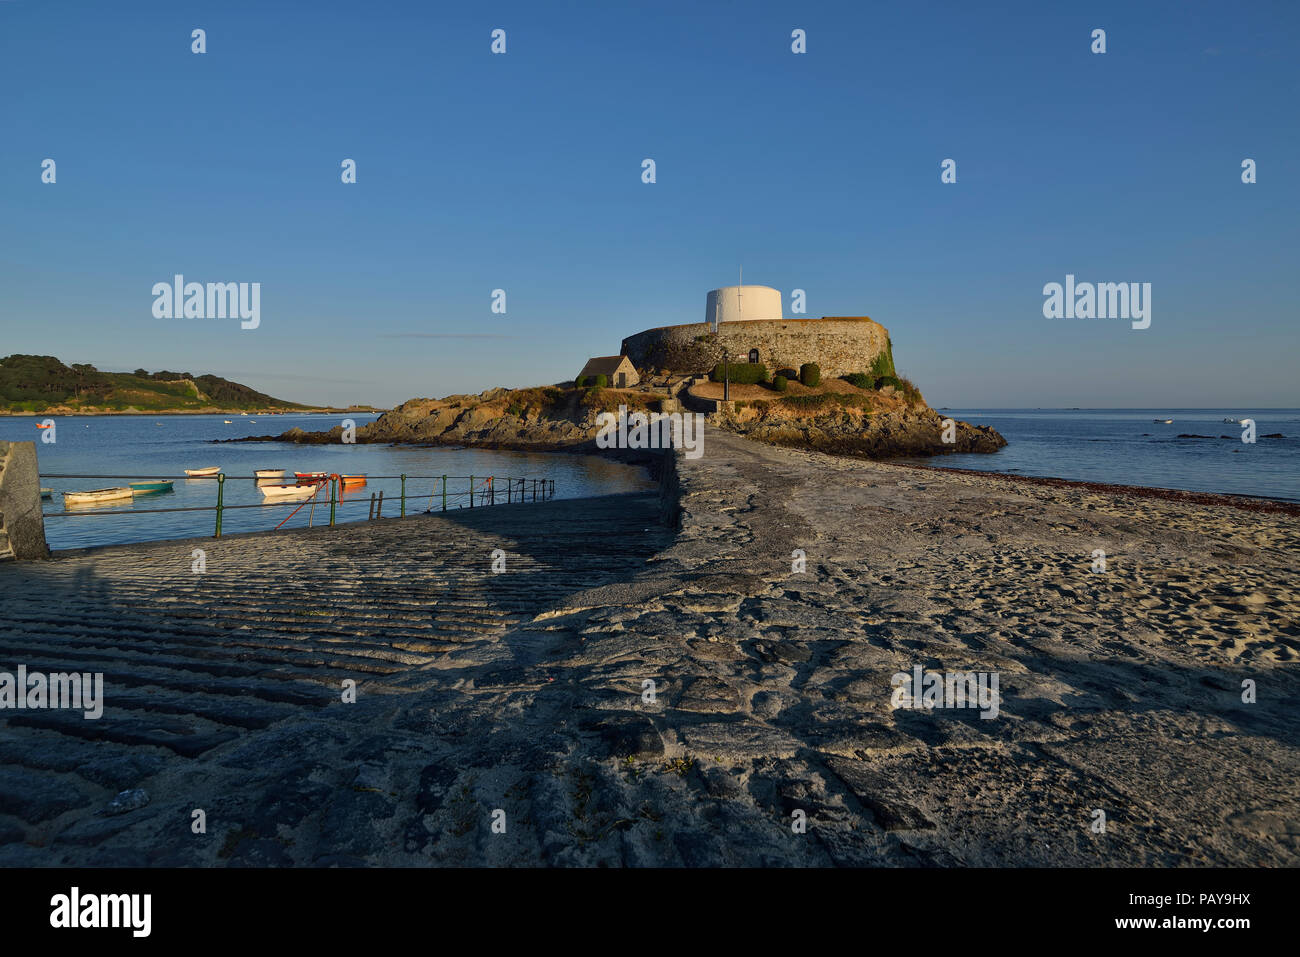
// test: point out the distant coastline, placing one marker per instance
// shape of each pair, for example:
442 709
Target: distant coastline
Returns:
66 411
46 386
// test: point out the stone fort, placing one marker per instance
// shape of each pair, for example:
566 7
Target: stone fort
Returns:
747 322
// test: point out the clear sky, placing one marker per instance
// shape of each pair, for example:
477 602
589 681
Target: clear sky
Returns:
522 171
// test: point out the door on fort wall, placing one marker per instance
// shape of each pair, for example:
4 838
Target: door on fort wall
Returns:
622 380
753 356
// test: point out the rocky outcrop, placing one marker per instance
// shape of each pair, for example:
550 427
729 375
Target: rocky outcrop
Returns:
560 420
528 420
885 435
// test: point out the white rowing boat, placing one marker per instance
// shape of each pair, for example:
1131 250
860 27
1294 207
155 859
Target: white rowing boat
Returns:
268 473
204 472
290 493
99 496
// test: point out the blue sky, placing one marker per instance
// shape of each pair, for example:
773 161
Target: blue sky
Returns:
818 171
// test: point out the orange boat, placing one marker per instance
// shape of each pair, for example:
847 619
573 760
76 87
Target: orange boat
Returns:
351 481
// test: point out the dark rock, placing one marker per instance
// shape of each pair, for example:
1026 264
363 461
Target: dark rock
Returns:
632 737
877 792
127 801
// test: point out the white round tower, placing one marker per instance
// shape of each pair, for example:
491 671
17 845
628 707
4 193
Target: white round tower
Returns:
742 304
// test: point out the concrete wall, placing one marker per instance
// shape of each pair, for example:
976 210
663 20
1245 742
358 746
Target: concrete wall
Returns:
22 529
838 345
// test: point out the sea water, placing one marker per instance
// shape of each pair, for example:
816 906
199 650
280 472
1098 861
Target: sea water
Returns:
1126 447
135 448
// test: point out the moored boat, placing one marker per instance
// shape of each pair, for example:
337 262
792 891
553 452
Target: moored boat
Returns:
99 496
290 492
1163 421
310 476
46 492
203 472
351 481
146 488
268 473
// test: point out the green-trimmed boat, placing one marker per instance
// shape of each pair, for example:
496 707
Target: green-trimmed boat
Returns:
149 488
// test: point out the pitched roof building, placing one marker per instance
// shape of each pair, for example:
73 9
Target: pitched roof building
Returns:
617 370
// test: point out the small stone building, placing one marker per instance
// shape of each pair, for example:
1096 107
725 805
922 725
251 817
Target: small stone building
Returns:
617 370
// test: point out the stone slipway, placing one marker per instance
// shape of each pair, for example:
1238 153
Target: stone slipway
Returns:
525 692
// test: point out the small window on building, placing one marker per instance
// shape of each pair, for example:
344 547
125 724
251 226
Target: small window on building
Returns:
753 356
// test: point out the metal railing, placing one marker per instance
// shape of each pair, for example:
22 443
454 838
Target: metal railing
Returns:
488 490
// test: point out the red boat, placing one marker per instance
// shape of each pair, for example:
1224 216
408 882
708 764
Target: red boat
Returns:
304 477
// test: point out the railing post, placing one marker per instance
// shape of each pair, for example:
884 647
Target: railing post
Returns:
334 497
510 490
379 512
492 490
444 493
471 491
403 495
221 485
552 488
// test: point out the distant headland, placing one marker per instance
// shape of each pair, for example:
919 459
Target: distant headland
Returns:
43 385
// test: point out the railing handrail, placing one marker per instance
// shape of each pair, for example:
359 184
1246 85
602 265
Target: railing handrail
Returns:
154 475
335 482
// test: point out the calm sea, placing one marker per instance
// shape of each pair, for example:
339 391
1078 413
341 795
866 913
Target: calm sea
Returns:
145 447
1126 447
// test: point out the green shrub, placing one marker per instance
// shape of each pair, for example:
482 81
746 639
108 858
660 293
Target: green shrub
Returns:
810 374
885 380
602 381
807 401
883 364
580 382
741 373
780 383
788 373
860 380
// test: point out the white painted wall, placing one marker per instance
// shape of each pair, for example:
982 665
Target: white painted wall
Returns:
742 304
